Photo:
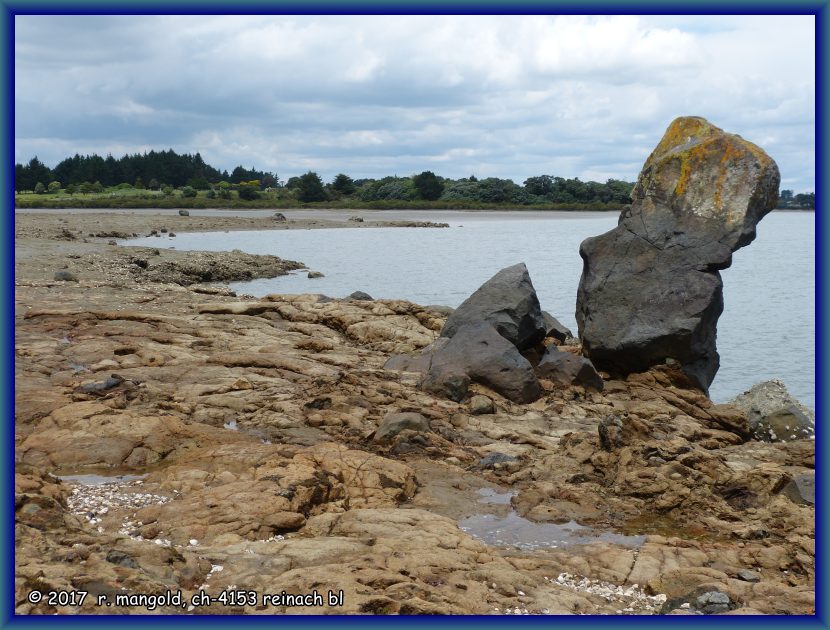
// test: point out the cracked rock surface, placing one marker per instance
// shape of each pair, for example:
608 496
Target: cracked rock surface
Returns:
244 427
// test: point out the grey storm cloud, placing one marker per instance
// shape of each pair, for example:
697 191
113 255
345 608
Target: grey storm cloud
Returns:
507 96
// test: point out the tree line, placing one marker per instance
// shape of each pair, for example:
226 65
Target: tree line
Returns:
803 201
183 176
151 170
167 170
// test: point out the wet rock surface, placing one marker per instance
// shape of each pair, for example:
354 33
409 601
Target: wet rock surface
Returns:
238 453
651 287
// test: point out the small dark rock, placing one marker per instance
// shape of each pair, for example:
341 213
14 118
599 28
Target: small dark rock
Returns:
121 559
480 405
184 213
713 602
319 403
278 216
394 423
444 381
360 295
564 368
491 460
748 576
801 489
610 433
315 274
65 275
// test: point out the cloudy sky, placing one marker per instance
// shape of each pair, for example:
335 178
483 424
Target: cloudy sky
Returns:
500 96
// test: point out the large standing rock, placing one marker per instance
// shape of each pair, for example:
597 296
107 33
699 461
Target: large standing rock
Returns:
507 301
651 287
477 352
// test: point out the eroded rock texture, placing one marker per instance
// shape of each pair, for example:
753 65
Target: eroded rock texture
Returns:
651 287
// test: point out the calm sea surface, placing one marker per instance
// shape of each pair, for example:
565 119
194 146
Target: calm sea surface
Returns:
767 329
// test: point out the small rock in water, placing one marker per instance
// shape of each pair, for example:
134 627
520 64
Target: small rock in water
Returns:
315 274
184 213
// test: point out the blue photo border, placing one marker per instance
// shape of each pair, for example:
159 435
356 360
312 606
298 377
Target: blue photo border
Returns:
10 8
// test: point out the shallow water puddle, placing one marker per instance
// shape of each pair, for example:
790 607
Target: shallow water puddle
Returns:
516 531
98 479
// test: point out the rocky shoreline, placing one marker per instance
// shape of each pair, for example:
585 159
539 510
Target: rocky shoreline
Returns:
208 453
251 423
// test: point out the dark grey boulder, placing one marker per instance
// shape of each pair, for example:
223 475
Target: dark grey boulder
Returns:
564 369
555 329
360 295
315 274
394 423
508 302
184 213
480 353
651 287
64 275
